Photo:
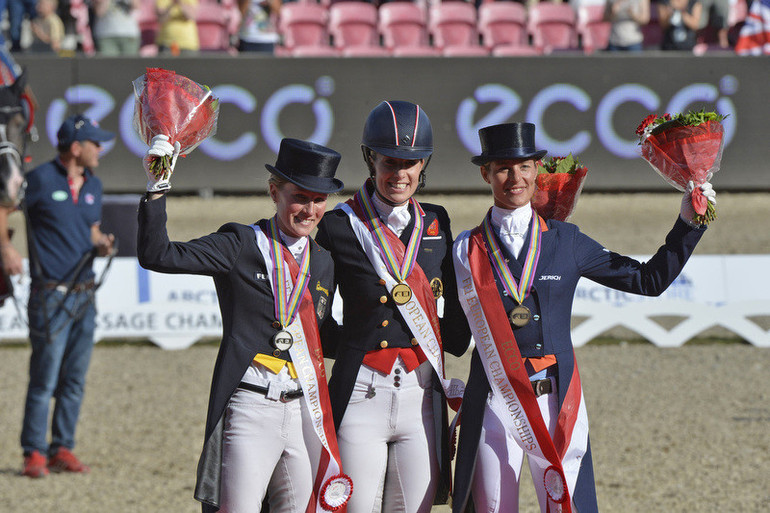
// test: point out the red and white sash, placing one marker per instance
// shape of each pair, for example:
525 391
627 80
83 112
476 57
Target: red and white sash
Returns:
332 488
420 311
517 406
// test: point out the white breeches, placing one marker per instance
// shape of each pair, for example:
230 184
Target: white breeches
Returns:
269 448
387 441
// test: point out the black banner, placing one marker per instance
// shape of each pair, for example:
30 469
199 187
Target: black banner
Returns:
587 105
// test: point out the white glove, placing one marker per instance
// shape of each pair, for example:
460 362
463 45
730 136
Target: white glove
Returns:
159 175
687 211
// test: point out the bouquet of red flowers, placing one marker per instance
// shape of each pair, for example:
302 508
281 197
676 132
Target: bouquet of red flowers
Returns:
558 184
686 147
173 105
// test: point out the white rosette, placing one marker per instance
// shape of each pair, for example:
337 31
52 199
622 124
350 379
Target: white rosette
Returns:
336 492
555 484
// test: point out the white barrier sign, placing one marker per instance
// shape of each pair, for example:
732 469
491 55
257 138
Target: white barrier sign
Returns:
175 311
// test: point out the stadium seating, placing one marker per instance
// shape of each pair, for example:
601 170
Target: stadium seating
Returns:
148 28
503 23
593 31
552 26
453 24
402 24
303 24
653 33
515 51
212 21
353 24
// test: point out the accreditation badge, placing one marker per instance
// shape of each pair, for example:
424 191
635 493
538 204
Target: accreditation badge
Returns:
336 492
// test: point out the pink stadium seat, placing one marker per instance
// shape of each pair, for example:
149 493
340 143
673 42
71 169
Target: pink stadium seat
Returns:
515 51
503 23
465 51
365 51
552 26
212 21
303 24
353 24
402 24
148 28
314 51
453 24
594 32
415 51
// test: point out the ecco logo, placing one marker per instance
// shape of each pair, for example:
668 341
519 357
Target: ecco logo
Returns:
550 277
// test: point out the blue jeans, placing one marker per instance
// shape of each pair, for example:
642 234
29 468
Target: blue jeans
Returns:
57 369
16 11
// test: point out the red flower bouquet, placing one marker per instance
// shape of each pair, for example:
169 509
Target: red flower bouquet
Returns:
558 184
173 105
687 147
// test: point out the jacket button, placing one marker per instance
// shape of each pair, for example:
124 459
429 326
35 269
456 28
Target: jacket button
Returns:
414 342
384 344
384 323
276 324
383 299
538 346
381 282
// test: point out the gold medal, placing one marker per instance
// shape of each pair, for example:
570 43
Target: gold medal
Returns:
520 316
401 293
437 287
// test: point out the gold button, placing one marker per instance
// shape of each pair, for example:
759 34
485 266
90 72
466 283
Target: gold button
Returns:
383 299
381 282
414 342
384 344
384 323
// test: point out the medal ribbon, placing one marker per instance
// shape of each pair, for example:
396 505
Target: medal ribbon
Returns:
517 291
402 271
307 357
514 401
286 309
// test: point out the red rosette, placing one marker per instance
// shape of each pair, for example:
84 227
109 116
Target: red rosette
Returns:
555 484
170 104
556 194
336 492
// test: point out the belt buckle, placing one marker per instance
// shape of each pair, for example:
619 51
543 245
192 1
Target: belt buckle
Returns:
283 397
540 387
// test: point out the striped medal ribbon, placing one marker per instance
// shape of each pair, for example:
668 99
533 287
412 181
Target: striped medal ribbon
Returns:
401 292
286 305
520 315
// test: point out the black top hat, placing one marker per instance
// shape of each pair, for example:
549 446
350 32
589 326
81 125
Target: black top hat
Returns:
507 141
307 165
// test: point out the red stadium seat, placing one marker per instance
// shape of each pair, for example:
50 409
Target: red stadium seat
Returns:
365 51
552 26
465 51
415 51
353 24
402 24
212 22
594 32
314 51
515 51
503 23
148 28
303 24
453 24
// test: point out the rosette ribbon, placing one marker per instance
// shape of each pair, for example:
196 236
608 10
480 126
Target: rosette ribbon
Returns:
336 492
556 194
682 153
166 103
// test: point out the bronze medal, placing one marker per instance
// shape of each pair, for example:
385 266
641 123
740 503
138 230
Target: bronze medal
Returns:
282 340
519 316
401 293
437 287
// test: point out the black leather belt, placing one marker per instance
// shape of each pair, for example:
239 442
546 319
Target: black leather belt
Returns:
541 387
285 396
77 287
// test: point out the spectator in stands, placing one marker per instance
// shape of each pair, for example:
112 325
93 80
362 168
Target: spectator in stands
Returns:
47 28
16 11
257 32
715 13
116 29
679 20
178 32
627 18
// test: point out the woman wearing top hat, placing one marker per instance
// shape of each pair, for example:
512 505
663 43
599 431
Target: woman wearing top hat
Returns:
273 283
517 275
392 258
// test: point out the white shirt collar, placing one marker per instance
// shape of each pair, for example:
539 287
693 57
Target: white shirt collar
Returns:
296 245
396 217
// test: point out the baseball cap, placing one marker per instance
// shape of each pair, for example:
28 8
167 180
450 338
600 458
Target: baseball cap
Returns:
80 128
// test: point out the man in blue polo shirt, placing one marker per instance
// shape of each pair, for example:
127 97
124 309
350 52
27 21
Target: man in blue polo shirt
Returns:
64 203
